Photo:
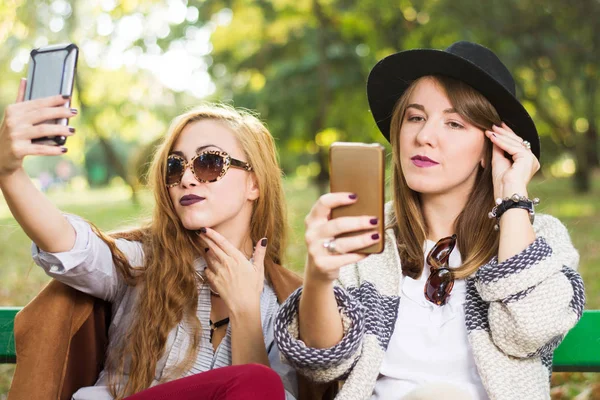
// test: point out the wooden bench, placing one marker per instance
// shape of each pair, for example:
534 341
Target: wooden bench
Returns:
580 351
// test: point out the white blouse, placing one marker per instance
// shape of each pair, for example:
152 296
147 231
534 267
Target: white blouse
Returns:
89 267
429 344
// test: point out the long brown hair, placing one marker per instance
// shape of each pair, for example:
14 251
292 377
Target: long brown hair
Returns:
168 292
476 238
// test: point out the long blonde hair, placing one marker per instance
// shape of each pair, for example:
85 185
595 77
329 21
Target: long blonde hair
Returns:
476 238
168 291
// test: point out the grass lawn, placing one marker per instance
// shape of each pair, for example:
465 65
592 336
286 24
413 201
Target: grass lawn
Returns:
111 209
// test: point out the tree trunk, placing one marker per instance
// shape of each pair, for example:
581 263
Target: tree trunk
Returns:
319 122
592 146
582 177
111 155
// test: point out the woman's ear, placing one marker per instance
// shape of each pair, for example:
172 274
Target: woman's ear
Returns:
482 163
252 189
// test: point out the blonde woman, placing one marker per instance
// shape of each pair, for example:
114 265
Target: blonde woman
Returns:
191 292
471 294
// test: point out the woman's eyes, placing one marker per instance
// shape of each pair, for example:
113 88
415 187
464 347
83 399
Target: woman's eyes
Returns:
415 118
455 125
420 118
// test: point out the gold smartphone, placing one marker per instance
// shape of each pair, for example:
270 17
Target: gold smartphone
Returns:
359 168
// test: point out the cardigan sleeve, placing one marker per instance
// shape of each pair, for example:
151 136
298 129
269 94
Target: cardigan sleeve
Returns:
321 365
536 296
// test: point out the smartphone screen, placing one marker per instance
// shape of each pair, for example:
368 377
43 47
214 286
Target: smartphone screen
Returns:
51 71
359 168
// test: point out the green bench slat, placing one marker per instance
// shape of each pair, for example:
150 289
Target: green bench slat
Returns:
7 342
579 351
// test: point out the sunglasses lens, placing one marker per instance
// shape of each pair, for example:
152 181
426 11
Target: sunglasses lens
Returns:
174 170
208 167
439 285
438 256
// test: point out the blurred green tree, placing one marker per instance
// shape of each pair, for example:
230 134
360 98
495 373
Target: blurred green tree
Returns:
303 64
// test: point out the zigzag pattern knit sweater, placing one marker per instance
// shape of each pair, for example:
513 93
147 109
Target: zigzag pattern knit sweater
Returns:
517 312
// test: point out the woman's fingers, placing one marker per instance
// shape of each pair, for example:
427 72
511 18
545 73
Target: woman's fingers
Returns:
215 252
211 276
35 105
347 244
322 208
21 93
510 145
504 130
341 225
260 252
41 115
223 247
39 150
42 130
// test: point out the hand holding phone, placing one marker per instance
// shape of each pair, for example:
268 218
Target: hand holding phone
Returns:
51 72
359 168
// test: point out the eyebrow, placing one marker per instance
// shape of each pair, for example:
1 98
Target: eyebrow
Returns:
198 150
420 107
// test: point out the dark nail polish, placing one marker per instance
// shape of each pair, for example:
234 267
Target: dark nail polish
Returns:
373 221
375 236
353 196
71 129
63 149
202 230
65 96
206 250
73 111
263 242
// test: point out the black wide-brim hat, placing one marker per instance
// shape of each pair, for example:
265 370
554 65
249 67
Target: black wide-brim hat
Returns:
468 62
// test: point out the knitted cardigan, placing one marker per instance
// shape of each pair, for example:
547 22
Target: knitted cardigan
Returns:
516 313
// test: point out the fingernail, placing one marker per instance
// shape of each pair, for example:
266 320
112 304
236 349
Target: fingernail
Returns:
353 196
65 96
263 242
202 230
74 111
71 129
373 221
63 149
375 236
493 134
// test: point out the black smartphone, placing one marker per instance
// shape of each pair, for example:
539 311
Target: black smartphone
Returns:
359 168
51 71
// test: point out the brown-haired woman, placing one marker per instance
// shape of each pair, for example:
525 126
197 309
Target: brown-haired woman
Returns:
471 295
193 290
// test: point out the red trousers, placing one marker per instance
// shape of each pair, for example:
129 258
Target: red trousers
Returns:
240 382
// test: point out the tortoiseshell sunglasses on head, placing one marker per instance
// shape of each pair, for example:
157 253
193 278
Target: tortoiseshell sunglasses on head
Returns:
208 166
441 281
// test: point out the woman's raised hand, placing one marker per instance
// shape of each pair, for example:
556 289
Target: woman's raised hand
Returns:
23 121
511 176
238 281
326 255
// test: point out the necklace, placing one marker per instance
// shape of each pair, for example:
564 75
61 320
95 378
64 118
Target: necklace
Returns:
216 325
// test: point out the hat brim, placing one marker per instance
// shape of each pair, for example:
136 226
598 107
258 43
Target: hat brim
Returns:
391 76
